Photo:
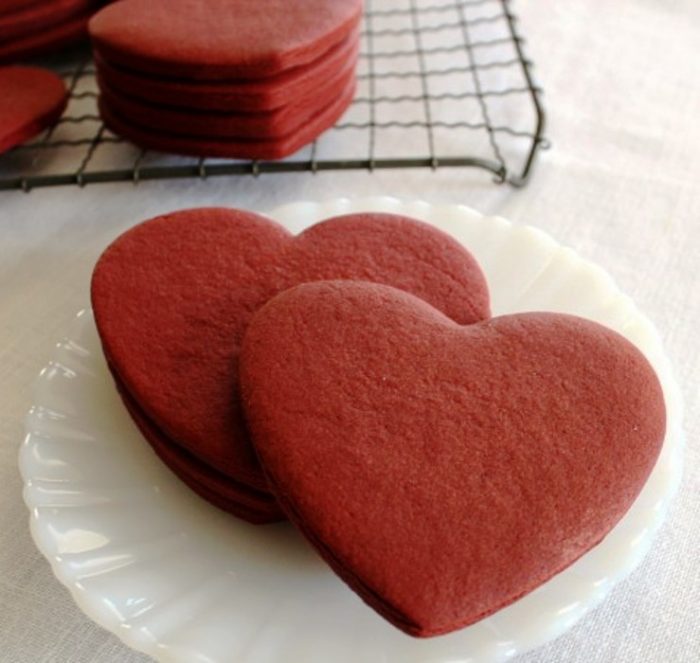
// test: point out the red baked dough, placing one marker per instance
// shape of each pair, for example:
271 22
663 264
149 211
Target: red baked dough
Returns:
254 506
238 148
221 38
35 18
279 123
172 298
445 471
13 6
32 100
46 41
243 96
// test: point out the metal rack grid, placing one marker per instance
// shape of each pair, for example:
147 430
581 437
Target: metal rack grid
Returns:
441 83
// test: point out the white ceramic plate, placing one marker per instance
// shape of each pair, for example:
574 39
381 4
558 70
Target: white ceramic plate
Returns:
182 581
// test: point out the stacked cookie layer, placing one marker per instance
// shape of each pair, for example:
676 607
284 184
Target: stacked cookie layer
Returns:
34 27
233 78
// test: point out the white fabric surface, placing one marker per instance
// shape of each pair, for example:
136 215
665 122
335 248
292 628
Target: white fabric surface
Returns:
621 186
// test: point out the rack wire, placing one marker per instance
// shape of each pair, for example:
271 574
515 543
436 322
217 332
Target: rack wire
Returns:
441 83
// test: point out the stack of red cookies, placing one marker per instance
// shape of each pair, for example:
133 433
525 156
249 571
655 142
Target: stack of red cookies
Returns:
233 78
34 27
351 379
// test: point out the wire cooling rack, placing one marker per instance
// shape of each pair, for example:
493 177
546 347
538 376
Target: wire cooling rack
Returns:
441 83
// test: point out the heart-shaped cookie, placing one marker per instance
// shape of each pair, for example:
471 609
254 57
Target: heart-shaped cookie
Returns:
172 298
443 471
32 100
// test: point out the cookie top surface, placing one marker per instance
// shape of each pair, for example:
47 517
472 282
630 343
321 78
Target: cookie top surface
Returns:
221 38
32 100
471 462
172 298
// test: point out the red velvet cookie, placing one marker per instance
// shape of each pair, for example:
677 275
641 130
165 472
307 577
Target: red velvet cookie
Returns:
45 41
445 471
282 122
221 39
32 100
12 6
239 95
252 505
238 148
172 298
35 18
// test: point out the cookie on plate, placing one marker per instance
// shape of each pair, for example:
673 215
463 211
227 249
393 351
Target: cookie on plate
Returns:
172 298
443 471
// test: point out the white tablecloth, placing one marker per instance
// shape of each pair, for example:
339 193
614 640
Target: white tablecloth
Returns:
621 186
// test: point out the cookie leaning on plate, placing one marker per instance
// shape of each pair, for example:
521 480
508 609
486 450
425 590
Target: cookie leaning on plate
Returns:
172 298
444 471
